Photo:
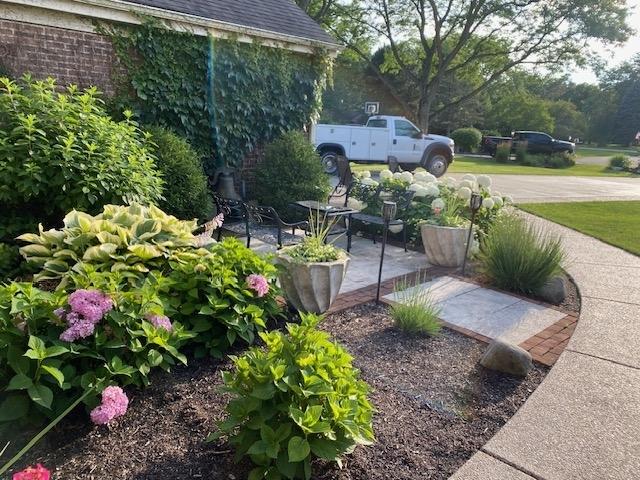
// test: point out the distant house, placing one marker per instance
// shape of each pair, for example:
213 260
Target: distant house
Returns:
57 37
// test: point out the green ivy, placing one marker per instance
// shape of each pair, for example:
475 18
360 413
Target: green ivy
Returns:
224 96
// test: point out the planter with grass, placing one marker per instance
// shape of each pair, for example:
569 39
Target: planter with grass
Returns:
444 236
311 272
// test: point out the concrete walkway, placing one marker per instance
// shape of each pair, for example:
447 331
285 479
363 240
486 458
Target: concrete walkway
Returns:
583 421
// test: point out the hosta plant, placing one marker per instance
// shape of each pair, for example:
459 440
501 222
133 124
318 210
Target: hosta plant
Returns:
134 238
296 399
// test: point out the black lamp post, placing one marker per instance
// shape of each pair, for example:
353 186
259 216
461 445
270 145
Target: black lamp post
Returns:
389 210
475 202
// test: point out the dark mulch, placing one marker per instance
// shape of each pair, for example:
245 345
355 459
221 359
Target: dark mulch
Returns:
435 408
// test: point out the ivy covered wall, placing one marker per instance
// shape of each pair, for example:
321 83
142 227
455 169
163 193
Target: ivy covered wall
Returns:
224 96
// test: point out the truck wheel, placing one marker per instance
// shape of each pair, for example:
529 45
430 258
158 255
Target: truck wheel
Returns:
329 162
409 167
437 163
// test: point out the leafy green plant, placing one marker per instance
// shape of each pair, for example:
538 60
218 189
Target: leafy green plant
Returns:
314 246
450 213
10 261
290 171
60 151
503 153
518 256
414 311
560 160
133 238
521 153
186 192
467 139
298 398
234 96
620 161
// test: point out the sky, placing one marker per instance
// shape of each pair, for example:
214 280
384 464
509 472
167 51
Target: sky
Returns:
616 55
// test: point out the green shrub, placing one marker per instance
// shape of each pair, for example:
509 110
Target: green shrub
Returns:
533 160
133 238
291 171
620 161
60 151
10 261
503 153
414 311
298 398
560 160
467 139
521 153
518 256
186 192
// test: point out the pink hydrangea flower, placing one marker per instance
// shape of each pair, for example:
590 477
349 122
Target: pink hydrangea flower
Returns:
33 473
114 404
160 321
258 283
88 307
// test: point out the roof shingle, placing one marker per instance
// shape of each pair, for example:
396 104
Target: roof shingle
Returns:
278 16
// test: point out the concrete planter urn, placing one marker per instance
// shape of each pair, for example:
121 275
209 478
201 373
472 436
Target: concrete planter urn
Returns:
311 287
444 246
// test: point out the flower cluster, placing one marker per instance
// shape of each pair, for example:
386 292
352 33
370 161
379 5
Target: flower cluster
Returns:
87 308
114 404
33 473
160 321
258 283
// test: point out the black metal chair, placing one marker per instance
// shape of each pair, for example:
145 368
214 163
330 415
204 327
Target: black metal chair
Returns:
267 219
345 182
233 211
403 203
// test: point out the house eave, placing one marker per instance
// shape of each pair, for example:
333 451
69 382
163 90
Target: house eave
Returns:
130 13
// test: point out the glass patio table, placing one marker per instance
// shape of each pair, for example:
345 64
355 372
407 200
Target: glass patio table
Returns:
329 211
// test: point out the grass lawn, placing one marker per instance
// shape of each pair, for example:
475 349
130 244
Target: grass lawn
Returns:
616 223
464 164
603 152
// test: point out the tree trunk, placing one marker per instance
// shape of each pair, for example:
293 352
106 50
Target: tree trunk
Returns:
424 111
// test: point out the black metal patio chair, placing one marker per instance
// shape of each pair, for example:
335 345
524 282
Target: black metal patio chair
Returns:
266 224
345 180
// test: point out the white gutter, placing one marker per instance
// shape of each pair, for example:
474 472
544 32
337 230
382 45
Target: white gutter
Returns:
127 12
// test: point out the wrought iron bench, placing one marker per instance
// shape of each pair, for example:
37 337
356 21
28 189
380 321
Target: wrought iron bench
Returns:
367 219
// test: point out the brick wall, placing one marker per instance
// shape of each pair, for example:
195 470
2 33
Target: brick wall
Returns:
70 56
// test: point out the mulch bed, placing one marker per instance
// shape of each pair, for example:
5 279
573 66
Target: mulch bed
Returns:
435 408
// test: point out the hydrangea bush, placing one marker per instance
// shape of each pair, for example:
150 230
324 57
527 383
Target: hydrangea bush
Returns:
441 202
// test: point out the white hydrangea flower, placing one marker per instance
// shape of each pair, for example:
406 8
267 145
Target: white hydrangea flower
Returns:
414 187
484 181
396 228
488 203
437 203
406 177
466 184
356 204
470 177
464 193
420 192
370 182
365 174
420 176
397 176
498 201
508 199
430 178
450 182
386 174
433 190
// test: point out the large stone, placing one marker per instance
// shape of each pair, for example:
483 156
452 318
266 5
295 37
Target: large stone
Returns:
507 358
311 287
444 246
553 291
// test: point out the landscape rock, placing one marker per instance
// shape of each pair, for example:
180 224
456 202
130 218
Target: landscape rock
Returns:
507 358
553 291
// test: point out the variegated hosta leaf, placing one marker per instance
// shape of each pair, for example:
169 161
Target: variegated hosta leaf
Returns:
145 252
35 250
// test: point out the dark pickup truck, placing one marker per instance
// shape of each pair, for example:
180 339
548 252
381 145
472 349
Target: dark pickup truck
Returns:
536 142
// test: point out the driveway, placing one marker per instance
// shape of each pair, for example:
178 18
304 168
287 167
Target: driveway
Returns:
547 188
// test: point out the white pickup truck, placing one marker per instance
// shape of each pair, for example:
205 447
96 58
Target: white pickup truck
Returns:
383 139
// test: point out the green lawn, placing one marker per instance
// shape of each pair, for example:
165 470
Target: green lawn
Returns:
616 223
464 164
603 152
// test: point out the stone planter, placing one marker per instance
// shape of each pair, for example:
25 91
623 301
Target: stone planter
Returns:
444 246
311 287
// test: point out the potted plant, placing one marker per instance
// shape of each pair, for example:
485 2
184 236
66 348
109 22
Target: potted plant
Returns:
311 272
444 235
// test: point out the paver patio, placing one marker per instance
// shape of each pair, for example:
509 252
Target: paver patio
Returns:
488 312
582 422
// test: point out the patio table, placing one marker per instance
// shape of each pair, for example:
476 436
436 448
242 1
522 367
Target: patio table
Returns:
328 211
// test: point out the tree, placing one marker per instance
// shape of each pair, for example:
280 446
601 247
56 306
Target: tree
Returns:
519 110
568 121
431 40
627 119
